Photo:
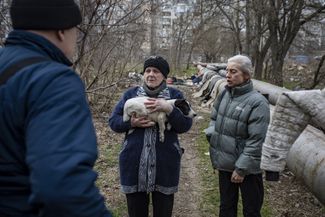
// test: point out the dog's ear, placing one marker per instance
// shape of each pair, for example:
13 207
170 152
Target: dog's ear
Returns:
179 102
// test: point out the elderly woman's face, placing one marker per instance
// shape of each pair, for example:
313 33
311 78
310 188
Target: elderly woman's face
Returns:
235 76
153 77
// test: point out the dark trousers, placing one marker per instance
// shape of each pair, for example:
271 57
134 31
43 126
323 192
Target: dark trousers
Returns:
138 204
252 193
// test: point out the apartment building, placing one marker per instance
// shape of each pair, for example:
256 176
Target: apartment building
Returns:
161 22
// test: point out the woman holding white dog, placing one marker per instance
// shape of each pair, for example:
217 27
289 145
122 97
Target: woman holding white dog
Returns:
147 165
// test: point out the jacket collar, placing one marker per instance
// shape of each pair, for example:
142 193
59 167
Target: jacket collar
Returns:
37 43
240 90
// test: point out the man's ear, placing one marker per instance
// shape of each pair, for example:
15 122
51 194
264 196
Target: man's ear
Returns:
246 76
60 35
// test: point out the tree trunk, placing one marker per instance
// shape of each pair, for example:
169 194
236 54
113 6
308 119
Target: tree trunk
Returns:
189 56
153 36
248 28
277 70
318 75
258 67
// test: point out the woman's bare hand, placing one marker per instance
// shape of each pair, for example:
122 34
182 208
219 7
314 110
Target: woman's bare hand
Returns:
142 122
158 105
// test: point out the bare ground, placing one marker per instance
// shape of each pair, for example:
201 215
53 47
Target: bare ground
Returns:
188 199
286 198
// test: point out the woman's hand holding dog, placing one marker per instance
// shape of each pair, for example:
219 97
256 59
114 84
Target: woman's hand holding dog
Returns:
141 121
158 105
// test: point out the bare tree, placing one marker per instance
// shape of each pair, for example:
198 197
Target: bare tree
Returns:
233 12
285 19
214 44
319 74
181 36
262 28
113 32
259 38
154 7
206 29
203 16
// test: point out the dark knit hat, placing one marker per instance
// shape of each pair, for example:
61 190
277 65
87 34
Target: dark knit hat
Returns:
44 14
159 63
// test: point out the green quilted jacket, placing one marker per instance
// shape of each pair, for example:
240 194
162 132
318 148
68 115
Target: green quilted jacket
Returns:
237 130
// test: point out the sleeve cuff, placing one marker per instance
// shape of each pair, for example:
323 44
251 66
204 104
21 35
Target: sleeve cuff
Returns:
173 113
128 124
240 172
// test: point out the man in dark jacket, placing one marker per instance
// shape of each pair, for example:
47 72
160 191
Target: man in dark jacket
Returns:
239 121
47 142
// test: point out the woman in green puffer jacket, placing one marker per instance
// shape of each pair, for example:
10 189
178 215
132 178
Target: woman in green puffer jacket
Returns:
239 121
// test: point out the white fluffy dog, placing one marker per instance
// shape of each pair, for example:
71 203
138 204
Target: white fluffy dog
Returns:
136 105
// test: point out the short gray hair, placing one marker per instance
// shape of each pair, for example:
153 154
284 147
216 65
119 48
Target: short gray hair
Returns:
245 64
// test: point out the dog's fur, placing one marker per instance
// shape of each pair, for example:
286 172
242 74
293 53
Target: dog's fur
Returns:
136 105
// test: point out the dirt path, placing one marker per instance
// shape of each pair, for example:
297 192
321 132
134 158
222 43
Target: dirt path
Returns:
189 196
187 200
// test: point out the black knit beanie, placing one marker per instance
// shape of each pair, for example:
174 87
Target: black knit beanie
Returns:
159 63
44 14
